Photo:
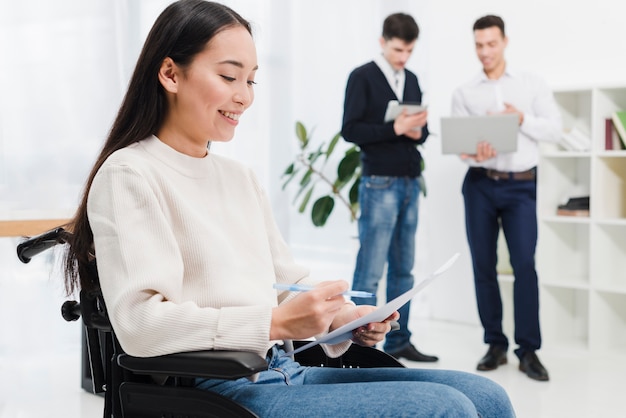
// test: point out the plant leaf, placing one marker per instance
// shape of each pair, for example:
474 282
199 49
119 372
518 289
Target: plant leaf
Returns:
301 134
304 183
312 157
348 165
333 143
355 210
289 169
338 185
353 194
422 184
306 179
305 200
322 209
289 178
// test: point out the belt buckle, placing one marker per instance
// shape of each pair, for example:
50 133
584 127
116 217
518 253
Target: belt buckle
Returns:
493 174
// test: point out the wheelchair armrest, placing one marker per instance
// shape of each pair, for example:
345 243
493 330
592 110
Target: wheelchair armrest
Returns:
356 356
209 364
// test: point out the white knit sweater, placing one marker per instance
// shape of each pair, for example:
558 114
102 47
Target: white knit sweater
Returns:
187 252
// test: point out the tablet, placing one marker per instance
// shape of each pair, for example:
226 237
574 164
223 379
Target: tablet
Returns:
461 134
395 108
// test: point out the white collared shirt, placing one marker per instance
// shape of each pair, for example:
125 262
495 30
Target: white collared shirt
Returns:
526 92
395 78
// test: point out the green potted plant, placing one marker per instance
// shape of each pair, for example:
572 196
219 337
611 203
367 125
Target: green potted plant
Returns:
310 167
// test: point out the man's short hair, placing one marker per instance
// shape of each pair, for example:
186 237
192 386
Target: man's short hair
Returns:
489 21
400 25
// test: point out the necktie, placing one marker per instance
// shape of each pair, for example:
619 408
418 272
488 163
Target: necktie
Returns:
397 88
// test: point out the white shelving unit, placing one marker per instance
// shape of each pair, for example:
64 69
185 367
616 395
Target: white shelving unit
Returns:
581 261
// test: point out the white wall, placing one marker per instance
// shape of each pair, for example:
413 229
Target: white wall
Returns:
66 67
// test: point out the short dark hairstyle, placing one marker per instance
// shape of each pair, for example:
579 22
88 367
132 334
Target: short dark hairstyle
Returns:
400 25
489 21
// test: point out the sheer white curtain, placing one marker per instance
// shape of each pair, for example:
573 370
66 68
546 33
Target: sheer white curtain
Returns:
62 81
66 64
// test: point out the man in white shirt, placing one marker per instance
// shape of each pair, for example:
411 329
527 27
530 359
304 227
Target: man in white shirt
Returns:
499 190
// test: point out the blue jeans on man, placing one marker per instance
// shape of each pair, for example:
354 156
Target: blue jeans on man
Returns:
387 227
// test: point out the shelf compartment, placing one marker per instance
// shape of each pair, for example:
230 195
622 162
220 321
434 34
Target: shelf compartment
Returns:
560 179
563 255
609 322
609 256
607 101
575 108
564 317
609 201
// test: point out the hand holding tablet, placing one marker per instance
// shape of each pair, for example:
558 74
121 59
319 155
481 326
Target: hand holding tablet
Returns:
395 109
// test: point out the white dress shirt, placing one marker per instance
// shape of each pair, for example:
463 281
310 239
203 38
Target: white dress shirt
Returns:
395 78
526 92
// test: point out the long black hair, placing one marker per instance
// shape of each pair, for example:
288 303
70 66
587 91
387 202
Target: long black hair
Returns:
180 32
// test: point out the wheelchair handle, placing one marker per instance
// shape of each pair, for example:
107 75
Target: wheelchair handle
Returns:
37 244
70 310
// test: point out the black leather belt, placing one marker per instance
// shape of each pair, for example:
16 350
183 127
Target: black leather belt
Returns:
506 175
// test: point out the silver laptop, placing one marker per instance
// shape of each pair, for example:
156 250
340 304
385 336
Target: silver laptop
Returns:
461 134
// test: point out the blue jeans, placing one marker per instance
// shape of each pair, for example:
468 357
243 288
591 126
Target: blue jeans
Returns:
387 227
511 203
287 389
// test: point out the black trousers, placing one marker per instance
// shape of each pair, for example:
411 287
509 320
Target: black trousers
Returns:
510 203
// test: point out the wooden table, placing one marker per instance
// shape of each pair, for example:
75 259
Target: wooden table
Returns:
28 227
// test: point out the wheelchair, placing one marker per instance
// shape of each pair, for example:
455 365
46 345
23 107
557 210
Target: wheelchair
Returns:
162 386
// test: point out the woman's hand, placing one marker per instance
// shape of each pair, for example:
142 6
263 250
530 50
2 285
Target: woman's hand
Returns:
310 313
367 335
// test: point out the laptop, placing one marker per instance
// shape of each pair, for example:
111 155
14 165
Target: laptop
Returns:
461 134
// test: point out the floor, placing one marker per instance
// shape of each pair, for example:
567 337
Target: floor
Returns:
40 360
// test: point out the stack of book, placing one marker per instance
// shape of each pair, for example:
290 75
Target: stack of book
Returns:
576 140
615 131
575 206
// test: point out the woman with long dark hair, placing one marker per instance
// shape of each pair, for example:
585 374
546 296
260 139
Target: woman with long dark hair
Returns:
188 251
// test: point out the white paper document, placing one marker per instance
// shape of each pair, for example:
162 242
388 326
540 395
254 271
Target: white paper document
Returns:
344 332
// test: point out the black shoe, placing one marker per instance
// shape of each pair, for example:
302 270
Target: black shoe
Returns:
533 368
413 354
496 356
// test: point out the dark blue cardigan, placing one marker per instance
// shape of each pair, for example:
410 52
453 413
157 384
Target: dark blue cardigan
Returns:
383 152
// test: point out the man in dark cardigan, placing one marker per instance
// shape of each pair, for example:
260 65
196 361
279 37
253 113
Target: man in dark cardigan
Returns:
391 172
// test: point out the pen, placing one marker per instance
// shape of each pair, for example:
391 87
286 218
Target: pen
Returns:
304 288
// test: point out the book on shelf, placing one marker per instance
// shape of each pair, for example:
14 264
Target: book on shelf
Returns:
576 140
619 122
611 137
